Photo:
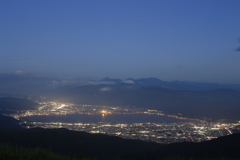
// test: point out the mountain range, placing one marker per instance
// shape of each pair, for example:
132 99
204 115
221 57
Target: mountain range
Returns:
221 103
175 85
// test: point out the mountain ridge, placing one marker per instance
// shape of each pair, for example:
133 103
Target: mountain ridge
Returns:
175 85
216 104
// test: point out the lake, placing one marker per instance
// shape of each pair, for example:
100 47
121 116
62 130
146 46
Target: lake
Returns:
115 118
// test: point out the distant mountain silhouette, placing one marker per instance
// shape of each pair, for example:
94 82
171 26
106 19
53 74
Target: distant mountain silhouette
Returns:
11 103
175 85
216 104
107 79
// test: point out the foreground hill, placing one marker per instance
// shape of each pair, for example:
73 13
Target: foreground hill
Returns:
8 123
67 142
223 147
99 146
8 152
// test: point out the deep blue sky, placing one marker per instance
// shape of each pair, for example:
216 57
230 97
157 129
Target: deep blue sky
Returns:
193 40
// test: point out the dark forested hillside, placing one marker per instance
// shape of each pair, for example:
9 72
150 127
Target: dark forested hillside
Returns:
99 146
226 147
8 123
68 142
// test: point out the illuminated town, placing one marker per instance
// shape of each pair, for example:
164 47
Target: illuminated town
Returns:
192 130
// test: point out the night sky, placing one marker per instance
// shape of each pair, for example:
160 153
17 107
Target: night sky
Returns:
192 40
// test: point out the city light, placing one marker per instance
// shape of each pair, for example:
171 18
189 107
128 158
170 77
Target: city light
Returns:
193 130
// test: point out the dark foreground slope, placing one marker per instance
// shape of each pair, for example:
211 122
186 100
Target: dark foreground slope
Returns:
75 143
223 147
8 152
8 123
99 146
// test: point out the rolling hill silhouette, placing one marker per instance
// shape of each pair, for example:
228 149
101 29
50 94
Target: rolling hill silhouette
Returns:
73 143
